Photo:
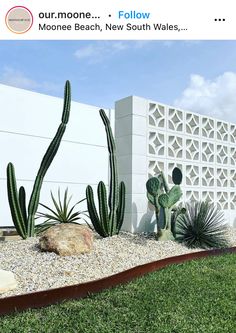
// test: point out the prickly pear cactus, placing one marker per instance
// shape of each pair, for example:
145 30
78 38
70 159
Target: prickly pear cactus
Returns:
167 200
153 186
177 176
164 200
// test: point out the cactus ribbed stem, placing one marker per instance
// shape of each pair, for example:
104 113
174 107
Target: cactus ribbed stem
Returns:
103 211
121 206
22 201
111 214
113 188
47 160
93 212
14 203
45 164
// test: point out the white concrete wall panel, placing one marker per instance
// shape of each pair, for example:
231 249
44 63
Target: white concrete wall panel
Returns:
28 123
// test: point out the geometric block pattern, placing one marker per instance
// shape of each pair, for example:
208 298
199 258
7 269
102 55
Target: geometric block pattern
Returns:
222 154
232 155
232 133
208 152
175 120
192 150
203 147
157 115
222 131
175 146
157 143
192 175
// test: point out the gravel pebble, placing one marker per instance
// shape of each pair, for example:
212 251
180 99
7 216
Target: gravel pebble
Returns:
35 270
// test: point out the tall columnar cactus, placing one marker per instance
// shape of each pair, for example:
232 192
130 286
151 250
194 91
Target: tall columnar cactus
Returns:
164 199
110 218
23 219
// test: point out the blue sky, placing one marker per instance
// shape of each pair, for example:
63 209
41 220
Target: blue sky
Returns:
195 75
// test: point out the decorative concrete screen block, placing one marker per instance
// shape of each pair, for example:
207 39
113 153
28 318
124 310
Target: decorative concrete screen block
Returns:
222 200
192 173
232 200
222 131
222 154
155 166
157 143
208 128
204 149
175 146
192 196
232 155
208 152
175 121
192 124
208 196
232 178
192 150
157 115
232 133
208 177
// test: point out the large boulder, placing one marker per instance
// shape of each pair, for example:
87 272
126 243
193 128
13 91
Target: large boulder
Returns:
67 239
7 281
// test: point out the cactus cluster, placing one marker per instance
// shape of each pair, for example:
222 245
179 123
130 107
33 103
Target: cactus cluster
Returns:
164 200
110 218
23 219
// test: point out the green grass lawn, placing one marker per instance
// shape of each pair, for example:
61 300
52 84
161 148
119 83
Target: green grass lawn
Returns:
194 297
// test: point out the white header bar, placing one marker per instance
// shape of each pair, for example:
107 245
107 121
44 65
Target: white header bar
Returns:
119 19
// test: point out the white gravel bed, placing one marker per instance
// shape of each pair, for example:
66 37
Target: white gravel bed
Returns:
35 270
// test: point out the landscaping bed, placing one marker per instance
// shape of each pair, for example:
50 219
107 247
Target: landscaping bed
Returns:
184 298
35 270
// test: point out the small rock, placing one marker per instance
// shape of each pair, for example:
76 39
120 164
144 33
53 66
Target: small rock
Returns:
7 281
67 239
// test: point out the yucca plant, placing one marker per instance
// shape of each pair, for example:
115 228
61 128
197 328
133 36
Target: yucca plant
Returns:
61 213
202 226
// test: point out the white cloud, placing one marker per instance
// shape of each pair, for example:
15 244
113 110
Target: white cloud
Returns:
170 43
216 98
15 78
97 51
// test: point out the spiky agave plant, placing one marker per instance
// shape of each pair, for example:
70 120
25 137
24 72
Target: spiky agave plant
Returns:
23 219
202 226
62 212
110 218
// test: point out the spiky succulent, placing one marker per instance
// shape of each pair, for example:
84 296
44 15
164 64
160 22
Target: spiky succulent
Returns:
62 212
202 226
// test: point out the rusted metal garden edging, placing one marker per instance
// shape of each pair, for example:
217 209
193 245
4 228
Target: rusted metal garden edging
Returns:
53 296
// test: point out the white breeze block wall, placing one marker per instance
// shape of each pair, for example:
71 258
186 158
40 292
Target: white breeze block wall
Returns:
152 137
28 123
